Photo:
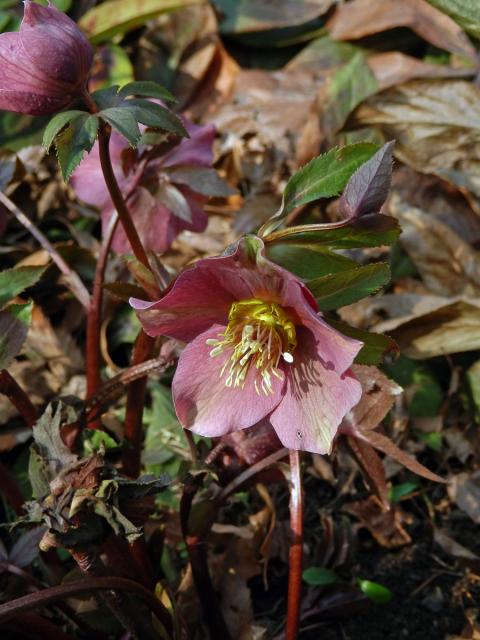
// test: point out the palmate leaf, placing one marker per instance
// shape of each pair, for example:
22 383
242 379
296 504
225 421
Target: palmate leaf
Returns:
323 177
152 114
56 124
76 139
148 89
337 290
123 121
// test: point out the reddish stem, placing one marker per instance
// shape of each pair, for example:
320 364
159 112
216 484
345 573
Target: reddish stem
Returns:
131 457
197 555
11 609
17 396
34 627
296 544
94 318
117 197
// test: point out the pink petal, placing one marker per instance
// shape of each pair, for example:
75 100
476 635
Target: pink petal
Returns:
203 294
316 399
336 350
202 401
23 88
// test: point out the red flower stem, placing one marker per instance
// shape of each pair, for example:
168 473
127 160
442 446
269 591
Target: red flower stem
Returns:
37 585
17 396
122 608
296 548
117 197
71 278
131 456
86 586
10 489
94 318
197 555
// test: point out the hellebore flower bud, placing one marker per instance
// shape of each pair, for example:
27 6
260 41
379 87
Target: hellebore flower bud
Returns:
44 66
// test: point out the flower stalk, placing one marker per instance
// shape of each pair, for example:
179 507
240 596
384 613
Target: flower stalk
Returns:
117 197
296 548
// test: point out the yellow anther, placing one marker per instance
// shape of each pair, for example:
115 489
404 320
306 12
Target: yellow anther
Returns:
258 334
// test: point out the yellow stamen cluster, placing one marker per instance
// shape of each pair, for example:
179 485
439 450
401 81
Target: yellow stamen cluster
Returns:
259 334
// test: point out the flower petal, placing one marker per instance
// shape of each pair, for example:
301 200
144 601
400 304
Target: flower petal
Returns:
316 399
203 294
55 45
335 349
202 401
23 88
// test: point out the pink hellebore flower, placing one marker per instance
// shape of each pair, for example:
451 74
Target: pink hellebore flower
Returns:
163 194
44 66
257 349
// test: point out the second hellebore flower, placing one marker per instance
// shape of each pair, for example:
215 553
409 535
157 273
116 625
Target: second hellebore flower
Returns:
44 66
163 194
257 349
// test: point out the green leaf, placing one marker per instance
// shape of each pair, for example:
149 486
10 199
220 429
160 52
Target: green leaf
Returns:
375 345
473 379
433 440
107 97
323 177
14 324
57 123
375 591
123 121
399 491
319 577
349 87
465 12
72 143
339 289
18 131
146 88
367 231
428 397
154 115
14 281
119 16
308 261
94 440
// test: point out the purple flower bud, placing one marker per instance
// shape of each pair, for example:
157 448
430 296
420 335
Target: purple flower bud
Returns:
44 66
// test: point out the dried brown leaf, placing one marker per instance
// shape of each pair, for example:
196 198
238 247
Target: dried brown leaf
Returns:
385 526
361 18
448 265
435 124
464 490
